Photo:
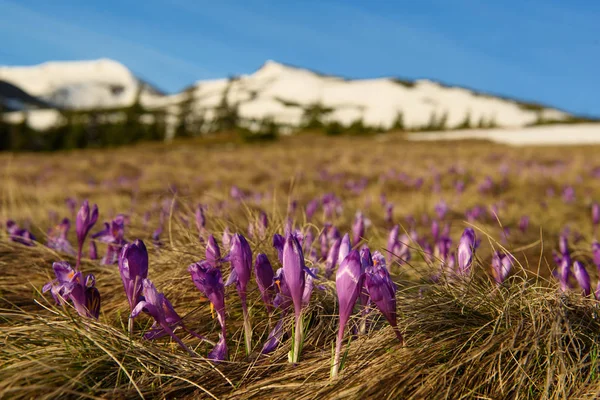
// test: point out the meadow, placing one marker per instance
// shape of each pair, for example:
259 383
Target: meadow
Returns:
467 333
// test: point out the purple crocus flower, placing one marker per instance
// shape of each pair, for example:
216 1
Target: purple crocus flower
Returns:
358 228
200 220
501 266
596 254
382 291
582 277
568 194
165 317
348 283
294 271
133 267
441 208
332 257
84 222
435 230
213 253
263 271
57 237
70 285
389 213
466 248
240 257
524 223
595 215
209 281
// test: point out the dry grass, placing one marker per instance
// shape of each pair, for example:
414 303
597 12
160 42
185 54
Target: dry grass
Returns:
464 339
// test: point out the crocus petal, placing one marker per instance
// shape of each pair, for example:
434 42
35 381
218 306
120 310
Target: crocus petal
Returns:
219 352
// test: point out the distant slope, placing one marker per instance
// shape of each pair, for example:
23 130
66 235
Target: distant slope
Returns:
79 84
13 98
282 93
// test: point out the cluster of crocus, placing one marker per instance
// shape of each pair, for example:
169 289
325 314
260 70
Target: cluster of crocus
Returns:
501 265
57 237
564 262
71 285
165 317
365 277
113 236
19 235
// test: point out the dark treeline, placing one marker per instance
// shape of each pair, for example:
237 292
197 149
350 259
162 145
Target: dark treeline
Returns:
83 129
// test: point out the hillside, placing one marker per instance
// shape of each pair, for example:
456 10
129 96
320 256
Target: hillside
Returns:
279 92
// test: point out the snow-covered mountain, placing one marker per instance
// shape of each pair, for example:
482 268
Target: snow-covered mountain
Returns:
80 84
284 93
279 92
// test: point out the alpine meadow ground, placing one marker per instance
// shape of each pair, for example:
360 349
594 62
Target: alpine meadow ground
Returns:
505 314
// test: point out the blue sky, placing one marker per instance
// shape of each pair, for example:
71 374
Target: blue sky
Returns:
544 50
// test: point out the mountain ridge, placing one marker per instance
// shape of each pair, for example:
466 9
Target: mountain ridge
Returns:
282 93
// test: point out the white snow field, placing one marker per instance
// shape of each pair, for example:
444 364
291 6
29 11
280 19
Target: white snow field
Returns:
275 91
550 135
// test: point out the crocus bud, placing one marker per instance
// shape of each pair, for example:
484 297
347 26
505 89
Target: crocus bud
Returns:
263 224
501 266
278 243
382 291
466 248
84 221
524 223
596 213
582 277
226 238
240 257
200 218
392 241
213 253
133 267
441 209
389 213
332 257
435 230
348 283
345 247
596 254
93 251
358 228
294 272
293 268
263 272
